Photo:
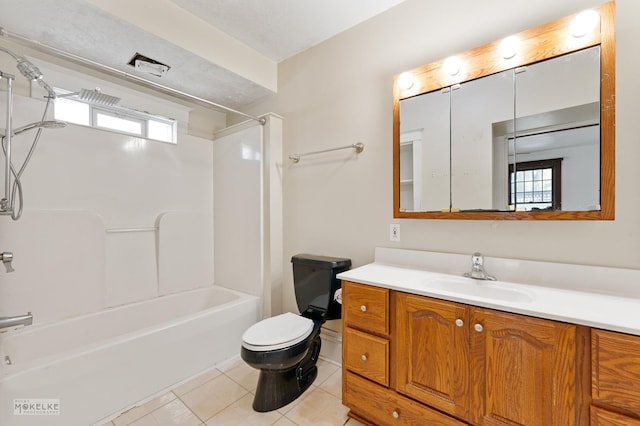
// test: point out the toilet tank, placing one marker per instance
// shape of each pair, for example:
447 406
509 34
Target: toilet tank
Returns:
315 282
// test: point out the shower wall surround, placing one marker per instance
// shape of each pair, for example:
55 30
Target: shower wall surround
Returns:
109 219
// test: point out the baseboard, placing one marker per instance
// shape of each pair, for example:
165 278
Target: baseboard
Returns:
331 345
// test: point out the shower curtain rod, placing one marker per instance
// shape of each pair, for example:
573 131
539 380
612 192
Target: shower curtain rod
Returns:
121 74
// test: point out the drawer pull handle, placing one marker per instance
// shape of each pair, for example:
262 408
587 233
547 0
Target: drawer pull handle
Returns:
363 357
395 414
459 322
363 308
478 328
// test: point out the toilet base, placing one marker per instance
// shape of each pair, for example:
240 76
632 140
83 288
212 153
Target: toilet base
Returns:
277 388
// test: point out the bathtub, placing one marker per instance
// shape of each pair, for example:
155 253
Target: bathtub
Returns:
97 365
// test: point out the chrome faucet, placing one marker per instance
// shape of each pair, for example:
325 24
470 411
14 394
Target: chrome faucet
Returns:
6 322
477 269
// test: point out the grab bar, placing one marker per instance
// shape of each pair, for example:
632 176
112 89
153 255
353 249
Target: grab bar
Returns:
6 322
121 230
358 147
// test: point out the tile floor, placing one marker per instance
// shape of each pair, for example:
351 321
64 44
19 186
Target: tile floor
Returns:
223 396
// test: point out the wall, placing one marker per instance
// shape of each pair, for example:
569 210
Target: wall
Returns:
340 93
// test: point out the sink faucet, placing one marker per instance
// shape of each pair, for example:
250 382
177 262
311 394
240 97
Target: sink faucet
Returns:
477 269
6 322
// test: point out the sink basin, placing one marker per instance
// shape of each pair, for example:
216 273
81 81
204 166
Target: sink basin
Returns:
477 288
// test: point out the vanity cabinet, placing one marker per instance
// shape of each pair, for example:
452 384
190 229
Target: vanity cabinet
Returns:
479 366
615 382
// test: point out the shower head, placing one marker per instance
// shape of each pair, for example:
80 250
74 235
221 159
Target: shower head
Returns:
49 124
96 97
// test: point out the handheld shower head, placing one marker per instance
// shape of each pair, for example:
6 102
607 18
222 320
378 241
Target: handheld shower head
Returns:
47 124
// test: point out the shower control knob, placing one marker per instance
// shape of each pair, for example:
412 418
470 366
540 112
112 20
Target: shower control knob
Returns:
459 322
363 308
7 257
478 328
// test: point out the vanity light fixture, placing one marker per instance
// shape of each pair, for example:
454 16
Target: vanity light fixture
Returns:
452 65
509 47
405 81
584 23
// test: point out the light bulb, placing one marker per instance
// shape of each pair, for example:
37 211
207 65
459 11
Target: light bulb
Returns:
405 81
452 65
584 23
509 47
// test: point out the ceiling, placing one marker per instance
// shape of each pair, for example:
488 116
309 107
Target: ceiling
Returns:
224 51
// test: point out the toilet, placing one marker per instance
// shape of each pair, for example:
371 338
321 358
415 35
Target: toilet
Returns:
285 347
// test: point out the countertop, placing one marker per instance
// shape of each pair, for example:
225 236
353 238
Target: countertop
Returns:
606 307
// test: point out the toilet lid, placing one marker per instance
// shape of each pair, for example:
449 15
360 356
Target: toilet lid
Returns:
277 332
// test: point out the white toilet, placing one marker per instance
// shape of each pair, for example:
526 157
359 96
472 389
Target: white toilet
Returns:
285 347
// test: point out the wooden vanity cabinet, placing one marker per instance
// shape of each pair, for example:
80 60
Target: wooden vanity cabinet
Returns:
615 379
478 366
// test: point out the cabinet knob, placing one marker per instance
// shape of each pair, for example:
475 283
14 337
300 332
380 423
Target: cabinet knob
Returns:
459 322
363 357
478 328
363 308
395 414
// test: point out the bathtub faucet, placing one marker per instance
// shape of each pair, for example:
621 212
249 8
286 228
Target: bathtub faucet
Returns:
7 257
6 322
477 269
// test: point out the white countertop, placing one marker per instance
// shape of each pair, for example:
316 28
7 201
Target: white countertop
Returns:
611 305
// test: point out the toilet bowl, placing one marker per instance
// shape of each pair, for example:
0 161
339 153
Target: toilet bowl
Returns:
285 348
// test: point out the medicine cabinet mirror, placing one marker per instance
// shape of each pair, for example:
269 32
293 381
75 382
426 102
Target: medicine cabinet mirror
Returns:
522 128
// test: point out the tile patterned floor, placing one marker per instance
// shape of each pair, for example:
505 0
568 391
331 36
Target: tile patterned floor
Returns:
223 396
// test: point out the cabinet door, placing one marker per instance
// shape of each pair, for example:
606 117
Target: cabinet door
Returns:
524 371
616 370
601 417
433 352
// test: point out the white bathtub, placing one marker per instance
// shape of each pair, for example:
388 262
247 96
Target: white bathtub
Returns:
99 364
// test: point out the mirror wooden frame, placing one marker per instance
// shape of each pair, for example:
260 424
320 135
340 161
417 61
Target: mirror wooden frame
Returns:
544 42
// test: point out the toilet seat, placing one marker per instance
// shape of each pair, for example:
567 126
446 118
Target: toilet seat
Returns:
277 332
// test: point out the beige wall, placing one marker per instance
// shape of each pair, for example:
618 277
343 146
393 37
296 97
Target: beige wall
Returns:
339 93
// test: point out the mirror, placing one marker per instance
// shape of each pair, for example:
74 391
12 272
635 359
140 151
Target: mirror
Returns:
529 136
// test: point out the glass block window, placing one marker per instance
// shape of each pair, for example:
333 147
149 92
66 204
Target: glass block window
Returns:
535 185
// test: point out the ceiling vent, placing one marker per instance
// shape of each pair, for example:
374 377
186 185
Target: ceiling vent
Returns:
148 66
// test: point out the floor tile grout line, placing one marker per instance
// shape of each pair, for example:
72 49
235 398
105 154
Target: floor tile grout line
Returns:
222 409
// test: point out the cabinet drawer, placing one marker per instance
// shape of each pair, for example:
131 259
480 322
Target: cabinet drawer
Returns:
367 355
366 307
616 369
384 407
602 417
